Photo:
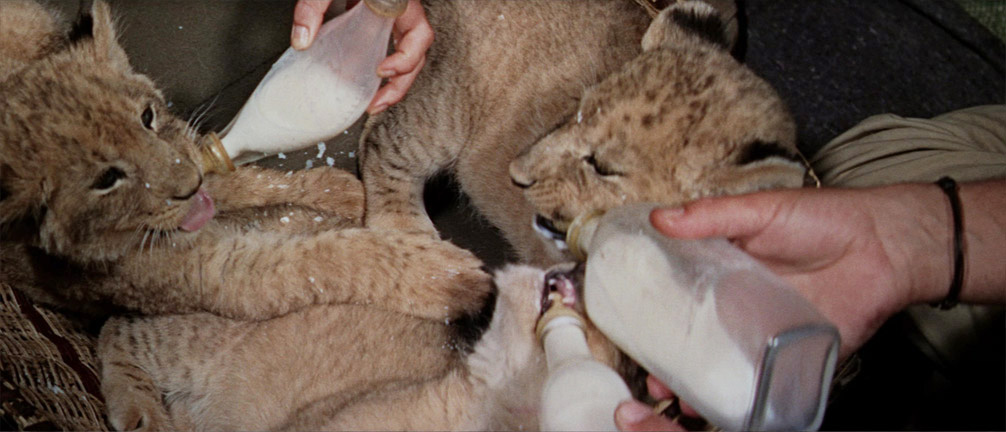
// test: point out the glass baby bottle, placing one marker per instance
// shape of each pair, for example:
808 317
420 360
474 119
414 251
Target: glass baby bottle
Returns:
308 96
728 336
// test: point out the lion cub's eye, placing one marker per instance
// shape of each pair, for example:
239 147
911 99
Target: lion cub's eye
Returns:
149 118
108 179
600 168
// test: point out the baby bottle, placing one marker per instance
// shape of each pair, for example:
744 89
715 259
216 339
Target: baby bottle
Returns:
580 393
308 96
724 333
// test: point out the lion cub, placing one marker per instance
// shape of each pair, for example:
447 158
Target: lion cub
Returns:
103 202
588 120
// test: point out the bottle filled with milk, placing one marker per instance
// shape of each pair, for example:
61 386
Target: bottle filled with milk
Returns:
308 96
580 393
724 333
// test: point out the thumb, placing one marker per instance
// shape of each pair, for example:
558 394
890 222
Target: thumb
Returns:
730 217
307 18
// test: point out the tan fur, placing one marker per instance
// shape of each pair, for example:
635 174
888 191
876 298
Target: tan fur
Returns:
371 311
76 112
556 86
328 367
383 358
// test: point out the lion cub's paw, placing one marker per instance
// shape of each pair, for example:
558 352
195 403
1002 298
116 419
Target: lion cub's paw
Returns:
132 412
453 281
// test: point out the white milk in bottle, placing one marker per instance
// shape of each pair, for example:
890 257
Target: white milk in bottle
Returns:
308 96
724 333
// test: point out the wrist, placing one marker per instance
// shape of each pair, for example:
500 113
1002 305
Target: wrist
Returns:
915 225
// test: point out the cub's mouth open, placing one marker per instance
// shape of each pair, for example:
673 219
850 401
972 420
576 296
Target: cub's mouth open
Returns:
551 230
567 281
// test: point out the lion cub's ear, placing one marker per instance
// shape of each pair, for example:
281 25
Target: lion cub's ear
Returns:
761 165
679 24
96 32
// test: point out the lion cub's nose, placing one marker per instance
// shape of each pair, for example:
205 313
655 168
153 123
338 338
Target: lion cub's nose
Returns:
518 176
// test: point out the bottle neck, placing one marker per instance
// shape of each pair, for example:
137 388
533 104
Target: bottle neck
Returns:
387 8
564 341
581 232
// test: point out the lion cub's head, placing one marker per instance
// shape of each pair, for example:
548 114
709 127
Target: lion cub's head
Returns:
92 164
681 121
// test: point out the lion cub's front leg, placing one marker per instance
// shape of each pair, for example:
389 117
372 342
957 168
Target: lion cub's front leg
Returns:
132 397
329 191
395 164
266 275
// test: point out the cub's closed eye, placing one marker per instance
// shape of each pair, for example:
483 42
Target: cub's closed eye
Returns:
149 118
599 167
109 178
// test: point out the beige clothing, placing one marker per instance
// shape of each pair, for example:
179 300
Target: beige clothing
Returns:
967 145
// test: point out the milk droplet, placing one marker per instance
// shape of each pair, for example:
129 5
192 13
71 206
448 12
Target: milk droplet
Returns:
318 218
281 155
330 161
352 154
309 164
321 150
284 219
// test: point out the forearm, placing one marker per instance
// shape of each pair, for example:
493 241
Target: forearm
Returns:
915 223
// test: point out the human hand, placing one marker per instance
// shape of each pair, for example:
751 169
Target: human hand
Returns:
412 35
636 416
858 255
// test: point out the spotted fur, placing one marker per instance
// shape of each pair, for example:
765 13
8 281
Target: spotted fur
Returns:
589 117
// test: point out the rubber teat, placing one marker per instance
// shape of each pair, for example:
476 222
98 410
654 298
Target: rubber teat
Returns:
580 232
214 155
555 310
387 8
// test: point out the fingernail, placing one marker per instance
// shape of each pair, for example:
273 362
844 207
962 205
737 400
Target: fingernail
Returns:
378 109
632 412
385 73
298 38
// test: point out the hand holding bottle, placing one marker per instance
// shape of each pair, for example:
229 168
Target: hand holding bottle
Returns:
633 415
860 255
412 35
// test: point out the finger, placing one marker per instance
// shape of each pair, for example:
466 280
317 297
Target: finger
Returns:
409 54
393 91
731 217
410 48
636 416
657 389
413 17
307 17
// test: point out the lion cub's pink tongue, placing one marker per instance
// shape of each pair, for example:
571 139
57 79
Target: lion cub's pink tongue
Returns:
200 212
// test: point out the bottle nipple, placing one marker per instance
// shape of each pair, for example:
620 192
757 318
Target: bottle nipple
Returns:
580 232
387 8
214 156
555 310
